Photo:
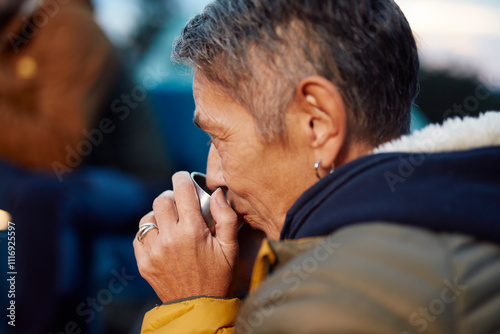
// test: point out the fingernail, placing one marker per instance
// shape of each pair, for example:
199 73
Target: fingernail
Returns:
220 198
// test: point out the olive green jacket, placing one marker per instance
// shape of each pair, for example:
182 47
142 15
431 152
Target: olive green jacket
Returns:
365 278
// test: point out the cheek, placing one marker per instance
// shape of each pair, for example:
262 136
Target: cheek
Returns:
231 160
239 170
232 172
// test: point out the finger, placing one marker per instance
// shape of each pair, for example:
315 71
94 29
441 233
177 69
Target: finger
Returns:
146 218
165 210
139 250
147 238
186 199
141 256
226 219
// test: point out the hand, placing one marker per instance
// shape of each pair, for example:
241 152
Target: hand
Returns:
182 258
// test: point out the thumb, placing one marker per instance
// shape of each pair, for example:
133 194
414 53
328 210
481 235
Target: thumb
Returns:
226 220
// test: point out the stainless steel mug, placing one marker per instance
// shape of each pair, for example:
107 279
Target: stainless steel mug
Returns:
200 182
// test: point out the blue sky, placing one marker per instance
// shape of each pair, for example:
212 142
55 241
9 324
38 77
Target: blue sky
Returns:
459 34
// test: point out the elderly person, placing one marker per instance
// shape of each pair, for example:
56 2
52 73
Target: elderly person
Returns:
307 104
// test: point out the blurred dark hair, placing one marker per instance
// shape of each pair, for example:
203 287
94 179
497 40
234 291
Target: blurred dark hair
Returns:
7 9
259 50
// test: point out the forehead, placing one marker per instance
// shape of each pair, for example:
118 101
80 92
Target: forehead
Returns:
214 107
208 92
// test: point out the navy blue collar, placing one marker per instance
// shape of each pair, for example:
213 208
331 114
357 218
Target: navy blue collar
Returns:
451 191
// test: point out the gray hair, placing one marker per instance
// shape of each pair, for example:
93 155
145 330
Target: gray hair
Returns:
259 50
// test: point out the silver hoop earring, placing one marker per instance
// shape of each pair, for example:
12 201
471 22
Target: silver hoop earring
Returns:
316 167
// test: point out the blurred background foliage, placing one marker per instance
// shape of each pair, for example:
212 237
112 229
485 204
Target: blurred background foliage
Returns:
444 94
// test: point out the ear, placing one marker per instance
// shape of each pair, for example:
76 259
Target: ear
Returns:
323 118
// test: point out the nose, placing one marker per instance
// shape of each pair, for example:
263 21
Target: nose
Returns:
214 170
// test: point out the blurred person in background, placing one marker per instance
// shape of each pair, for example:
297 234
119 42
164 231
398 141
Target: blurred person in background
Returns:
60 78
80 153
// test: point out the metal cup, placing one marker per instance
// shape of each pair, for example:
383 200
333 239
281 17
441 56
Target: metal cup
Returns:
200 182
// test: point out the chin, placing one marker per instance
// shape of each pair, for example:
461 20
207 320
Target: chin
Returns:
258 223
252 217
254 221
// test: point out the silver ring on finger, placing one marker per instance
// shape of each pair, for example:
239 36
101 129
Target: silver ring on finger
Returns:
144 229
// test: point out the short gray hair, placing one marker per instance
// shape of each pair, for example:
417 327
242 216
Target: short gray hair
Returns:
259 50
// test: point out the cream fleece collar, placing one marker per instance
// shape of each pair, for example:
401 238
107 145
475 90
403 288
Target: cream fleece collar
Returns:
453 135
